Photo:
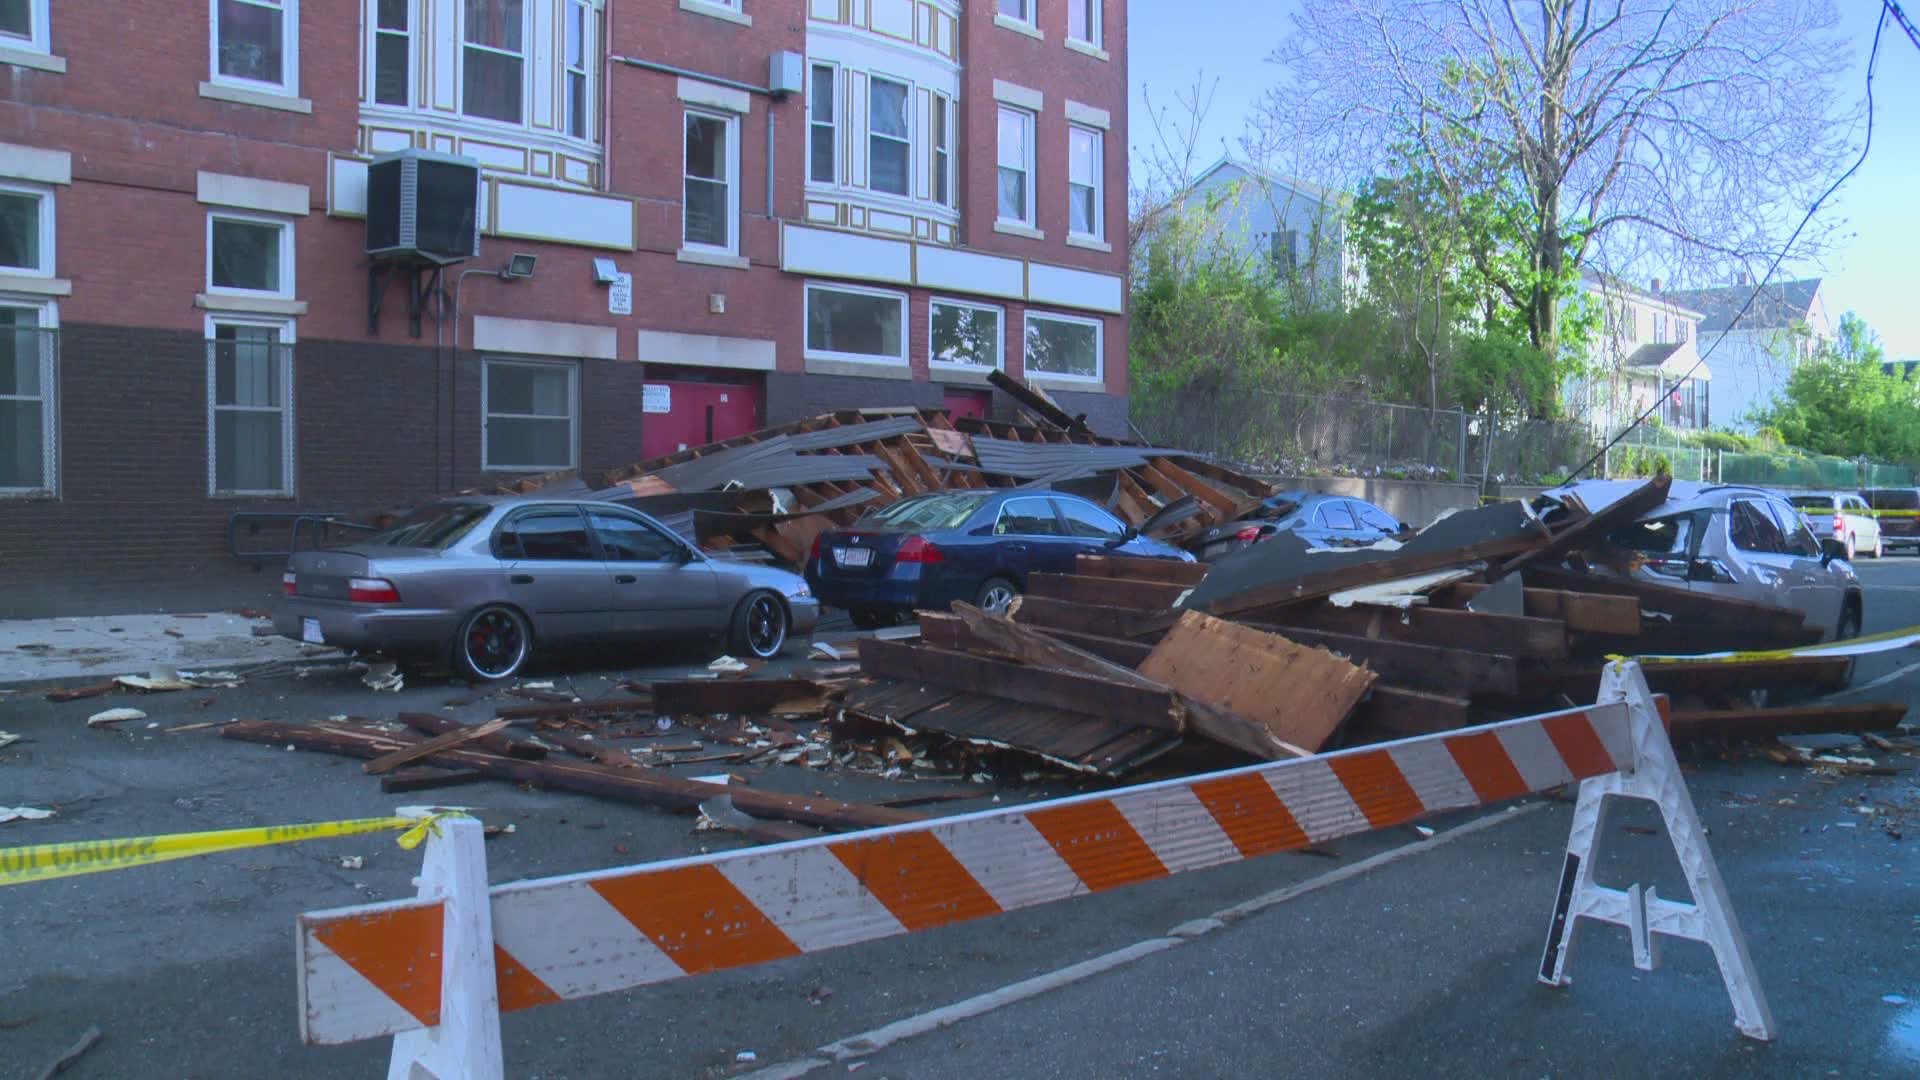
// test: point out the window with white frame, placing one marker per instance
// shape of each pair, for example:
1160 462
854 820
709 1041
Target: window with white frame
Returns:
23 25
256 43
712 188
889 137
393 52
531 416
1065 346
248 254
1084 176
27 412
1016 166
250 410
577 74
1017 9
822 120
942 143
26 229
1083 21
964 335
493 60
845 323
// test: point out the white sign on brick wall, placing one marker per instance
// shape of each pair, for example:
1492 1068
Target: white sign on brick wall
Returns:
620 295
656 398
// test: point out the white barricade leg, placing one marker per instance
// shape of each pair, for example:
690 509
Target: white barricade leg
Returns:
466 1043
1655 778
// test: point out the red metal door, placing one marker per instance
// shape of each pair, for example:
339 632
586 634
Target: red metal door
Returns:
968 403
683 413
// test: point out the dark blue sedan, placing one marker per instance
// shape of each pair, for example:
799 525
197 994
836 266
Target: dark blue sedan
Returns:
978 546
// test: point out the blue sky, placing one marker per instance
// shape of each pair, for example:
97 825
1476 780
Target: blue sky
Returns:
1874 224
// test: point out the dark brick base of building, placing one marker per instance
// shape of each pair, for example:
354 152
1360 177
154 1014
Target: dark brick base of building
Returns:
376 427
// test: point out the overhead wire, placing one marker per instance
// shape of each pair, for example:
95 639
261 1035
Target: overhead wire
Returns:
1888 7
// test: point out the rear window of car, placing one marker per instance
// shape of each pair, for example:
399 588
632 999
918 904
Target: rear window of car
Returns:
1659 537
928 512
1812 502
436 526
1894 498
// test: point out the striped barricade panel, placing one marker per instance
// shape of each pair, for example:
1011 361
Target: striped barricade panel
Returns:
372 971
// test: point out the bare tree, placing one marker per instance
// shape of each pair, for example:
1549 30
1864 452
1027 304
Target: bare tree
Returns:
1669 134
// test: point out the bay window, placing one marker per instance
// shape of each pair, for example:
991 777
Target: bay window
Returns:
822 131
579 23
942 150
393 52
889 139
493 60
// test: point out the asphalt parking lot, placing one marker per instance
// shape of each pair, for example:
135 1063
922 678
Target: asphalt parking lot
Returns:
1418 964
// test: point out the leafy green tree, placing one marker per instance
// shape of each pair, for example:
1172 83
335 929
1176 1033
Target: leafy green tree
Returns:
1844 402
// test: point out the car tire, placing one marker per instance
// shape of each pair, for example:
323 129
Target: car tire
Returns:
1849 622
1879 547
872 618
996 595
760 626
492 644
1852 548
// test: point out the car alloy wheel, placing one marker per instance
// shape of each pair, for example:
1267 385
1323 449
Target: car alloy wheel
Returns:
997 596
1849 624
494 643
762 626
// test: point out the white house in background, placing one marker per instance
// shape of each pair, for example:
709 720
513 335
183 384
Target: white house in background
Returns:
1296 228
1645 351
1787 323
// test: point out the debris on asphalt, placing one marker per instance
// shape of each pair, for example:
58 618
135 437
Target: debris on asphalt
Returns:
383 676
77 693
23 813
386 763
728 665
8 738
114 716
352 862
181 729
67 1060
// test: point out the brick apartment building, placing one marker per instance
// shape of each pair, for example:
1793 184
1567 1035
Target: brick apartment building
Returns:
723 238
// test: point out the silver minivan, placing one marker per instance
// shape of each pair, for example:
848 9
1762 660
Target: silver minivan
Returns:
1742 542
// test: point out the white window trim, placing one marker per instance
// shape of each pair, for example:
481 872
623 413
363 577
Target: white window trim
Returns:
371 16
911 99
839 112
48 211
38 42
289 86
940 117
1099 182
934 361
573 415
286 410
724 10
1099 376
525 56
287 261
732 246
1096 31
589 52
1028 25
906 329
49 320
1031 121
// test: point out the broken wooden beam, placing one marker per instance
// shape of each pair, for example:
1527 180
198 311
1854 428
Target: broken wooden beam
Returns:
1036 402
1397 712
1115 701
1697 611
1458 672
427 778
1595 526
1299 694
1520 636
448 740
1581 681
1140 568
1111 592
688 697
650 787
498 742
1795 720
1591 612
1104 620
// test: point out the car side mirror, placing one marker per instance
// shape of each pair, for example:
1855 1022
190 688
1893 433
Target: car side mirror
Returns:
1831 549
1129 536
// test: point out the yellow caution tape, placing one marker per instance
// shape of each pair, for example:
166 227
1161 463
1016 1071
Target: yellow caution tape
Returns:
1859 646
43 862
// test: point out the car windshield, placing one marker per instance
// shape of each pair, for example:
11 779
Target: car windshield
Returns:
434 526
948 511
1812 502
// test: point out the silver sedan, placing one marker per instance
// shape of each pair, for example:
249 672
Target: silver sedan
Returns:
482 581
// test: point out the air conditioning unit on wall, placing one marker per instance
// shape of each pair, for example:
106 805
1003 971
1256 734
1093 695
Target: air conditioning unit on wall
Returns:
423 203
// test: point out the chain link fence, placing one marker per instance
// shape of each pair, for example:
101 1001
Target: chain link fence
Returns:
1809 471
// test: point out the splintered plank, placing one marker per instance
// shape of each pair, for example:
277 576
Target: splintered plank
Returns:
1425 667
1131 705
1595 527
1114 592
1138 568
1298 693
386 763
1584 612
1515 635
1799 720
1226 504
1396 712
1695 609
1104 620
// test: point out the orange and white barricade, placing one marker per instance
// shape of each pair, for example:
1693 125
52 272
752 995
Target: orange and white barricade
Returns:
436 971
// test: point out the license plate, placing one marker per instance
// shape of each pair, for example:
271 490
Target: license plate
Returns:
310 631
853 556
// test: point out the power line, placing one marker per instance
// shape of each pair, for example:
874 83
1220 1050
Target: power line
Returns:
1873 58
